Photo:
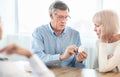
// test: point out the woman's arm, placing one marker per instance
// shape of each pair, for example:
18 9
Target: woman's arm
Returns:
106 64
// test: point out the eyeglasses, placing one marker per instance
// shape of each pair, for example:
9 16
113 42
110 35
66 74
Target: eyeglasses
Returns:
60 17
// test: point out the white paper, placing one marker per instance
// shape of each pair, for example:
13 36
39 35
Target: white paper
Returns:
81 48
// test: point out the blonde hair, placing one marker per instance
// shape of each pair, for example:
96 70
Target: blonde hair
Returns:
109 20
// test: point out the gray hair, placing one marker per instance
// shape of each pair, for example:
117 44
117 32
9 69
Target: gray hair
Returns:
58 5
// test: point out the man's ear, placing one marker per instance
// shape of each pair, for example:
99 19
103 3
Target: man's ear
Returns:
51 15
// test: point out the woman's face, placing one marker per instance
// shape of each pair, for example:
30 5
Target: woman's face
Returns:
97 29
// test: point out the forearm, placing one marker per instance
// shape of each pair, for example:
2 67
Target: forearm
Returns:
28 54
106 64
47 57
62 57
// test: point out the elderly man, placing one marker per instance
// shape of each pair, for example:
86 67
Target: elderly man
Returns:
57 43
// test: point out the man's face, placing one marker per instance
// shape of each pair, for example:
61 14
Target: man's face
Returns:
59 19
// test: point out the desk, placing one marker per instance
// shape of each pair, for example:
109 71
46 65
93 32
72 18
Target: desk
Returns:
77 72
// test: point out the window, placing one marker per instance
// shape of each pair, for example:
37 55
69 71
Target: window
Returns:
32 13
7 14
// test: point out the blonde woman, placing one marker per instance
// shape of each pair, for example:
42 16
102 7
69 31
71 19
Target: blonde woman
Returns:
8 69
108 46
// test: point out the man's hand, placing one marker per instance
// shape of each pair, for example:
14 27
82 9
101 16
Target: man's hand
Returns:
70 50
81 56
15 49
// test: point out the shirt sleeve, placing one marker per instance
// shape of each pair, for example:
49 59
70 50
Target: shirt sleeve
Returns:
38 48
106 64
78 39
39 67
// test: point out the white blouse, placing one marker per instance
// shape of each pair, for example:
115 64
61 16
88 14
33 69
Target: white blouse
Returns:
9 69
102 62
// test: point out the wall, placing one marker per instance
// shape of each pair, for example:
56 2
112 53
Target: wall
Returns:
7 14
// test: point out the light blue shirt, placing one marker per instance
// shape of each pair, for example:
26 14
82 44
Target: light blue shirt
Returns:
48 46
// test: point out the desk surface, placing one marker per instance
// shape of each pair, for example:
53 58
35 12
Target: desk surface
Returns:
77 72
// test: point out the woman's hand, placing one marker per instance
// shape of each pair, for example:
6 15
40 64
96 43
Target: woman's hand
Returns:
103 36
15 49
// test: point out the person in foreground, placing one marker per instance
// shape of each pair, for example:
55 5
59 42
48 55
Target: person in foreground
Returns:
56 43
8 69
108 46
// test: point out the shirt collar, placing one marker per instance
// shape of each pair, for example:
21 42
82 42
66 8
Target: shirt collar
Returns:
51 30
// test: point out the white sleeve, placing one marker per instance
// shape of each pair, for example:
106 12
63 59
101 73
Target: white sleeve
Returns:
95 64
105 64
39 67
